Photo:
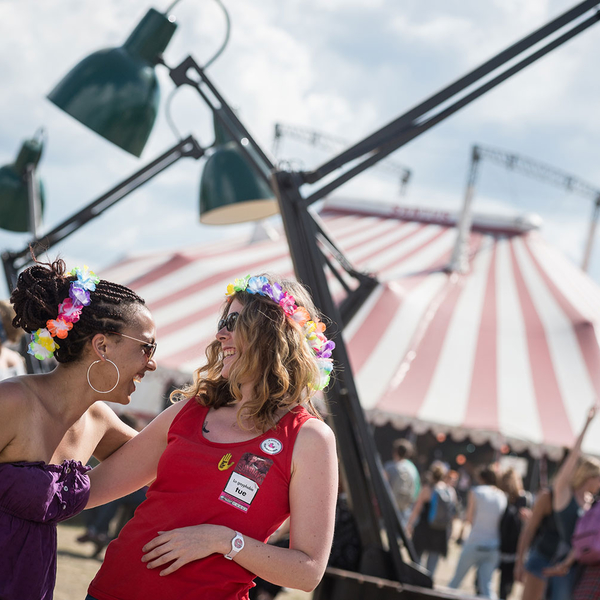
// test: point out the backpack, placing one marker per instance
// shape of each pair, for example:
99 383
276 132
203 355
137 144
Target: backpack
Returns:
586 537
403 484
441 508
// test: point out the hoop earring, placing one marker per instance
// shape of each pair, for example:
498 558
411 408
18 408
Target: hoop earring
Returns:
113 387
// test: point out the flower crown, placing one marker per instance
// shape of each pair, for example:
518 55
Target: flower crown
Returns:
313 330
42 344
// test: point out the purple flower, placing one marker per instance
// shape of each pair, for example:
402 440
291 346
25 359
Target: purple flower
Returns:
78 294
273 291
325 351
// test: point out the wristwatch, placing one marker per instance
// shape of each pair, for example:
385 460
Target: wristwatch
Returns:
237 543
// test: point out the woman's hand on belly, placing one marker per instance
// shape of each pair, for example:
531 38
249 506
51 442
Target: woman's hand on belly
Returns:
183 545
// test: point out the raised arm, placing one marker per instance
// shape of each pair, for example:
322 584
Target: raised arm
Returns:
133 465
313 493
562 481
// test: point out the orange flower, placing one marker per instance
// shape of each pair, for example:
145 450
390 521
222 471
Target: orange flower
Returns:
59 328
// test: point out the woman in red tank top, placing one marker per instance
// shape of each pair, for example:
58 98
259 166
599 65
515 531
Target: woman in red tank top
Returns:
241 451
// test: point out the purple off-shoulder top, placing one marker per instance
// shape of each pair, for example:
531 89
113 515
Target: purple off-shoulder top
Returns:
34 497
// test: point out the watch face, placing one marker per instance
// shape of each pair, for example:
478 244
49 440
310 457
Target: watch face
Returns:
239 544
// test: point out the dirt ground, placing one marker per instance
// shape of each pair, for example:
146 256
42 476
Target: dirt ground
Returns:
76 568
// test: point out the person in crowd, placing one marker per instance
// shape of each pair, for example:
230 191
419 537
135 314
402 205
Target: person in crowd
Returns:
585 549
575 485
12 363
98 520
240 452
102 336
429 528
403 477
537 545
485 506
517 513
451 480
536 548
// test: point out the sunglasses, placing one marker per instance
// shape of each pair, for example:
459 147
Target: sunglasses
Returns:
229 322
148 348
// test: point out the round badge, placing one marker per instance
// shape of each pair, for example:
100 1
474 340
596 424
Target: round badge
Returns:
271 446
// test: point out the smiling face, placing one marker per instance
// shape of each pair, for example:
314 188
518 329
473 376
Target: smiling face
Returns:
130 355
228 340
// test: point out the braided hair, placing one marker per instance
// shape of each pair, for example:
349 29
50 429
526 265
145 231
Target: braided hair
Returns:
42 287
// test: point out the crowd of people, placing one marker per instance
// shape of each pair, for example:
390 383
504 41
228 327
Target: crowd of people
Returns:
547 543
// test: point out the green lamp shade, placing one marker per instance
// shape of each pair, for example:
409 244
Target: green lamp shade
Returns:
115 92
14 196
231 191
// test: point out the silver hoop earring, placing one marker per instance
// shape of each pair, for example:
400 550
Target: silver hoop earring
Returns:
113 387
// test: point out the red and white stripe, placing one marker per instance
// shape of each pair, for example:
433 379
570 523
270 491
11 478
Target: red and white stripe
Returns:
506 353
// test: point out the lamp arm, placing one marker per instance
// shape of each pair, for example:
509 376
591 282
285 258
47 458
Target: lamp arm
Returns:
408 119
184 148
218 53
390 138
222 112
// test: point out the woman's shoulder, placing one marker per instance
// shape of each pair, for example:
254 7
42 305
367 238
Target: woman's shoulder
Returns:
314 437
15 393
16 405
180 410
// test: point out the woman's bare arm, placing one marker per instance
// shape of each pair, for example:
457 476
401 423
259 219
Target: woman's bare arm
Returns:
133 465
562 481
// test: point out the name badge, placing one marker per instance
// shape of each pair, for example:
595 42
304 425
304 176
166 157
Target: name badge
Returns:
245 481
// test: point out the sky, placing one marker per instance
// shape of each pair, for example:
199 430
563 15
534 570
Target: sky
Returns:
338 68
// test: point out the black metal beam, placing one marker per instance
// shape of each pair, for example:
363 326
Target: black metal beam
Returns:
13 261
223 112
369 491
395 138
396 127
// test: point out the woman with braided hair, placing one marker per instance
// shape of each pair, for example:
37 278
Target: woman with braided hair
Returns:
102 337
240 452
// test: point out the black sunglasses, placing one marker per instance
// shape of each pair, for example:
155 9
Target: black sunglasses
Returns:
148 347
229 321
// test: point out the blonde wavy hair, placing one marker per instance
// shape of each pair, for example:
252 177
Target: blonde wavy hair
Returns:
272 353
587 468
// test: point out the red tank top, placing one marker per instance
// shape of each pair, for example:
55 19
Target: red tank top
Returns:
242 485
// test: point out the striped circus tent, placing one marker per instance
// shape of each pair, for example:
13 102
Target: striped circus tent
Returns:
506 353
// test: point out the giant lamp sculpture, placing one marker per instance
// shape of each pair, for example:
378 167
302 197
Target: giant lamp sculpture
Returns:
21 191
115 93
384 572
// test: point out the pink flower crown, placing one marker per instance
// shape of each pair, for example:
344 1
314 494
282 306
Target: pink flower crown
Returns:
42 344
313 330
